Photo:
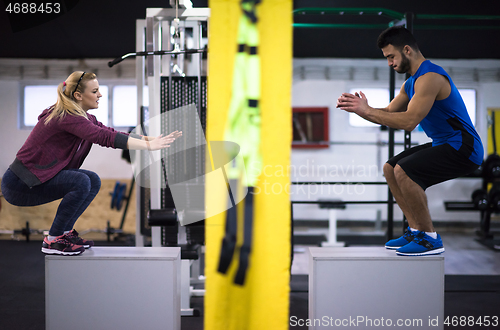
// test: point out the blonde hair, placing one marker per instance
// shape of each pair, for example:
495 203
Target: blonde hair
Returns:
66 102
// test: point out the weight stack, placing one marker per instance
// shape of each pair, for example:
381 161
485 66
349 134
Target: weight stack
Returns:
183 164
195 233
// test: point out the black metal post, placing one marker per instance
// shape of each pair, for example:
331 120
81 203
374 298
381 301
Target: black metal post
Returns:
390 199
128 202
407 142
291 237
409 25
200 63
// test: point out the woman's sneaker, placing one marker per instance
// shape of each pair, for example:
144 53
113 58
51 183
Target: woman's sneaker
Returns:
73 237
395 244
60 245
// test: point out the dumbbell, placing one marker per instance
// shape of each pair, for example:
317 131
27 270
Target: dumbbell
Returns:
491 168
494 197
480 199
118 195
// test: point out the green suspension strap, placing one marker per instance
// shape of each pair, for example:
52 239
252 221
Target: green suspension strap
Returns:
243 127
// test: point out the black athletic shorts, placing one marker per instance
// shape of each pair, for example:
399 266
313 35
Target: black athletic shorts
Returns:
427 165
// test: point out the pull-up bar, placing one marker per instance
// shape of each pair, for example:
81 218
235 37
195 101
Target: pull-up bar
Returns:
340 26
155 53
393 15
352 11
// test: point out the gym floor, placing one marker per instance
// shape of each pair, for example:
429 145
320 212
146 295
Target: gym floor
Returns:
464 255
472 282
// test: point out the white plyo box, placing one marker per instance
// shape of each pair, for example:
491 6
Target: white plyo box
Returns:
114 288
372 287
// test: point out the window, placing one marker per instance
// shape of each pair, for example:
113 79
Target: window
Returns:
36 99
125 105
310 128
122 99
469 97
377 98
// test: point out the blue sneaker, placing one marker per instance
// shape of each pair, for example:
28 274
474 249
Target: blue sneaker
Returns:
422 245
395 244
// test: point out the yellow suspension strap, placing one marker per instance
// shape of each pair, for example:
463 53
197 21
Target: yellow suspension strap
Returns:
243 127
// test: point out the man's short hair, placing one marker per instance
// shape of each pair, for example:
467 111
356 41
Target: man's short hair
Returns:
398 36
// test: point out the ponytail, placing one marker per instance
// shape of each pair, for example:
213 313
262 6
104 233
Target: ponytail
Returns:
66 102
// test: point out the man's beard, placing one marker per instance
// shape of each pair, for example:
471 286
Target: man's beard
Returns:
404 66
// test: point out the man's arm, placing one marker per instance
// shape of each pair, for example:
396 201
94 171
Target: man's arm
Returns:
399 103
426 89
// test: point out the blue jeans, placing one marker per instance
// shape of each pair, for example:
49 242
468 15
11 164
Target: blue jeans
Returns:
76 187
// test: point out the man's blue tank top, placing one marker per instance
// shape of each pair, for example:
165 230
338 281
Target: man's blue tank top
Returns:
448 120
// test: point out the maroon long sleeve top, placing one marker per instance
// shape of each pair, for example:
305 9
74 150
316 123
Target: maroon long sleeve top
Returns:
62 144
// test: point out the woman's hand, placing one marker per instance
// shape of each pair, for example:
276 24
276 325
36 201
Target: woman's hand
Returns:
162 142
175 134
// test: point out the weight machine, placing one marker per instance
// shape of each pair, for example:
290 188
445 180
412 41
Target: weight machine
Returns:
169 60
